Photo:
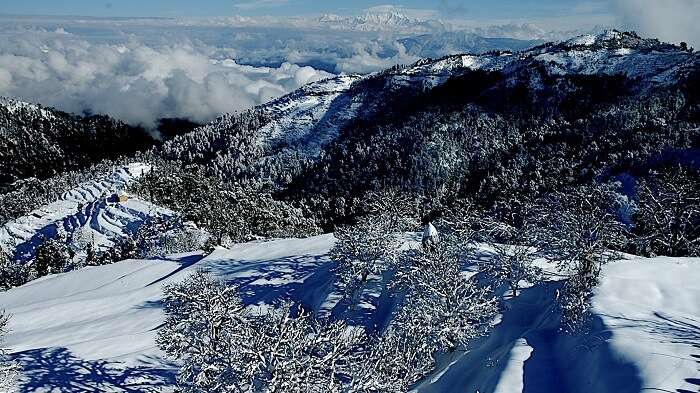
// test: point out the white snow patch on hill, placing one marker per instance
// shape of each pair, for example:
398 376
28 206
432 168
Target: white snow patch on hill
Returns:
94 329
85 210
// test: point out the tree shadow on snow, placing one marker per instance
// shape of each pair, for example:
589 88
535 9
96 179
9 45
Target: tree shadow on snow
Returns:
306 279
58 370
668 329
184 261
557 363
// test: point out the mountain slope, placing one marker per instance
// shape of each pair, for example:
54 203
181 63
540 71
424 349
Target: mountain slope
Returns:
100 333
40 142
84 214
318 112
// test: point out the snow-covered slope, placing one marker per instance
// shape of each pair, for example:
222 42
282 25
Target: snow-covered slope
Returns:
93 329
645 336
313 116
85 212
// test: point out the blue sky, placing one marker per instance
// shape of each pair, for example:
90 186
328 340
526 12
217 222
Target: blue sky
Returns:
472 9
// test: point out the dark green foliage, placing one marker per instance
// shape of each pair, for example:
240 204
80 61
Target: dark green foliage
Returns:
51 257
42 142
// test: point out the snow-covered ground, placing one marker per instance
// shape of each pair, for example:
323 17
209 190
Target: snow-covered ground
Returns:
84 212
94 329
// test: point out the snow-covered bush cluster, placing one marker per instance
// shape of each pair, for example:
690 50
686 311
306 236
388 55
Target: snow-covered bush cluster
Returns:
9 370
225 347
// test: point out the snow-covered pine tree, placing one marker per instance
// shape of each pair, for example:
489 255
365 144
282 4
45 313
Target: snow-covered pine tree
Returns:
51 257
12 274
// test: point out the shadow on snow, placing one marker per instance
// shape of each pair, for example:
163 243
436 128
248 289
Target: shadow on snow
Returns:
58 370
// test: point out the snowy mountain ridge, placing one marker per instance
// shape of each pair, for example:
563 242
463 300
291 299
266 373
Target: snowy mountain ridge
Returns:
13 105
312 116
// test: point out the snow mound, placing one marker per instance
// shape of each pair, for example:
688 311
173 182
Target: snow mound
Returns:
94 329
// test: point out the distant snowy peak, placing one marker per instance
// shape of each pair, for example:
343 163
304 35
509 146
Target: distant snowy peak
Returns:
383 19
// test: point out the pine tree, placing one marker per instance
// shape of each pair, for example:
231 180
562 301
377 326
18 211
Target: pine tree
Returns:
12 274
51 257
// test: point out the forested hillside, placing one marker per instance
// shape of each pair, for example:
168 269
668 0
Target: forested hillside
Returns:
40 142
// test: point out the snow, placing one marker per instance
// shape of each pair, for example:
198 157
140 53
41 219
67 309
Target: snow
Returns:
106 318
94 329
311 116
85 211
645 334
653 308
13 105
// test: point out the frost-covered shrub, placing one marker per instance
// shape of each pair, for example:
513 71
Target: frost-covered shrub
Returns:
442 311
162 235
363 250
225 347
579 230
205 329
667 221
9 370
514 254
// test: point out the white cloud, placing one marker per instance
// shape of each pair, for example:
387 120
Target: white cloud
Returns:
669 20
135 82
140 70
367 59
251 5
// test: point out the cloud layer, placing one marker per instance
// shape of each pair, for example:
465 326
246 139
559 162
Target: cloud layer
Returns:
669 20
135 82
141 70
